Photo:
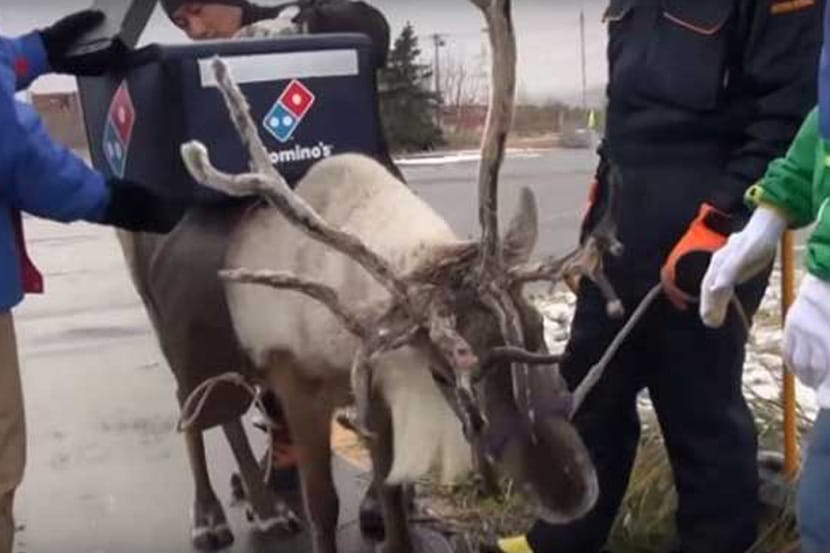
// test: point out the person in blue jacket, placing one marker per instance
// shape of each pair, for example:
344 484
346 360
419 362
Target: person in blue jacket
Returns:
45 179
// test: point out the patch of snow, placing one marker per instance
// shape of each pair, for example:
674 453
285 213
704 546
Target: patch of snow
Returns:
462 157
763 367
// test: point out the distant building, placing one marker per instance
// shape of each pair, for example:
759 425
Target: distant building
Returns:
470 118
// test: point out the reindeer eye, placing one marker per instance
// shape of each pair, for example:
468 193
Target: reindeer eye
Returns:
439 377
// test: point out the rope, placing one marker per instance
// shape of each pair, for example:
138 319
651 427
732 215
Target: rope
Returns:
595 373
198 398
598 369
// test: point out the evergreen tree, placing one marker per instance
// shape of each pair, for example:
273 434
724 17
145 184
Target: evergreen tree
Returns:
408 105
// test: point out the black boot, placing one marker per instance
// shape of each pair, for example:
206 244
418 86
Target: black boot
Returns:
371 518
371 515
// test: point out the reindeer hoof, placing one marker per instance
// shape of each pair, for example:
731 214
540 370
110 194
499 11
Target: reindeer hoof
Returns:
284 523
209 527
371 518
211 538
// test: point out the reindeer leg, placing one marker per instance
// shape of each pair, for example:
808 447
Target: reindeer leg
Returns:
309 417
269 514
209 527
393 499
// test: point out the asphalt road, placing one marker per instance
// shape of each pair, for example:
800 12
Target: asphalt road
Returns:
559 179
107 473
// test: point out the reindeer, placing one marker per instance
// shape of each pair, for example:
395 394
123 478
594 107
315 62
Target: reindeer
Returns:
175 276
385 306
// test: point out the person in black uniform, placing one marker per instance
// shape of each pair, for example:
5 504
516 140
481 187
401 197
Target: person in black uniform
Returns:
703 94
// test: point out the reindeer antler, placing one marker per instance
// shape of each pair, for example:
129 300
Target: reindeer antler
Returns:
494 284
587 260
322 293
499 120
496 280
269 183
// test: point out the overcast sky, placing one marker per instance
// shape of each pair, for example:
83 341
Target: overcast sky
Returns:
548 32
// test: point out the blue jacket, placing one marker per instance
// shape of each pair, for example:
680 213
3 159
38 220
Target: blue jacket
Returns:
37 175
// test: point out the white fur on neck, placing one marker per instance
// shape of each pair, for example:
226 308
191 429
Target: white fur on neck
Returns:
427 434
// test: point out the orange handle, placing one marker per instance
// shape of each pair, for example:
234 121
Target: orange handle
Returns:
789 398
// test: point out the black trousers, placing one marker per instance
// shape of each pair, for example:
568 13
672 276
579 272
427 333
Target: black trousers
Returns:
693 375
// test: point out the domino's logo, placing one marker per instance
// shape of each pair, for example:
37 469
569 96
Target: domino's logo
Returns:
288 112
118 131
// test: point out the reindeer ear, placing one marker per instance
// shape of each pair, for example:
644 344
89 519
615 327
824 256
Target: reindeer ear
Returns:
523 231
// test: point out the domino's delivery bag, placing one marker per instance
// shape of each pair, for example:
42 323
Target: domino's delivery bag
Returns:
311 96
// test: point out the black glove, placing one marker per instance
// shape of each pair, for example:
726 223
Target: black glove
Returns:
61 37
136 208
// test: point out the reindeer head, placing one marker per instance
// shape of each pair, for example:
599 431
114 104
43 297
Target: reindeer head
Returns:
464 307
490 360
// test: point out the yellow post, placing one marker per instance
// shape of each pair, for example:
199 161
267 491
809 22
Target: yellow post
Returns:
787 298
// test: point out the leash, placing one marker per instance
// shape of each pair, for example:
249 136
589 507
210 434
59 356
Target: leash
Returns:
598 369
198 398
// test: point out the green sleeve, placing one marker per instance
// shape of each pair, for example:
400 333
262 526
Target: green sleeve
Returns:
788 183
818 247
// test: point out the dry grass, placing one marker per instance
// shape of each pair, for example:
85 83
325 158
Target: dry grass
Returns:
465 508
646 520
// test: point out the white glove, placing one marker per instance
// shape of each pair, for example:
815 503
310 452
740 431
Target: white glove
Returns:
745 254
807 333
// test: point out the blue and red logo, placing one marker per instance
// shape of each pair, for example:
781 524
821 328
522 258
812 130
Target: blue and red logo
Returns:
292 106
119 130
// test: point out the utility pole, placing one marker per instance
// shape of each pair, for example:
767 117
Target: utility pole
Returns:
584 76
437 43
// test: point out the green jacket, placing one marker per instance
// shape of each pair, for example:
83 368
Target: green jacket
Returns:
798 186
